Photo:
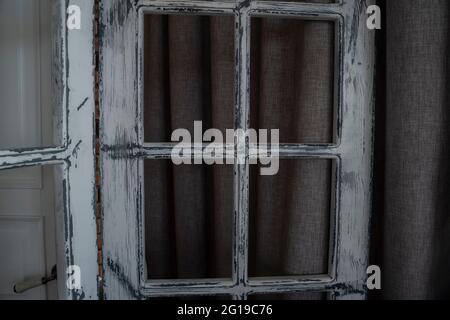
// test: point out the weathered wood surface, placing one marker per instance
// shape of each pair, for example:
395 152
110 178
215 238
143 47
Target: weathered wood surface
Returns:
123 149
73 102
81 234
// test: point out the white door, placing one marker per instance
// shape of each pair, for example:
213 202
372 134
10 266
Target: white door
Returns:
27 220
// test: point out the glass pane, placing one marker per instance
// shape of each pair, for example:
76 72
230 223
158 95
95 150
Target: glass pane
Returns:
292 78
290 219
188 220
25 74
188 74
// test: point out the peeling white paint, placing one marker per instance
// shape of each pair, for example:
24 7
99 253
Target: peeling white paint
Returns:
73 85
123 150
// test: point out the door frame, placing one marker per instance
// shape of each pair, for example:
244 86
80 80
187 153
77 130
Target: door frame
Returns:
74 151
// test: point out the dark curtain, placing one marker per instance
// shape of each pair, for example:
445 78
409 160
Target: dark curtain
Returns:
189 75
411 235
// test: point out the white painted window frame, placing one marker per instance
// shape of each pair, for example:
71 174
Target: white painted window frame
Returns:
124 150
73 102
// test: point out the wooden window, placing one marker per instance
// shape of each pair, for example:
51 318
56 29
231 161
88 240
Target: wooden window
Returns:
124 150
73 103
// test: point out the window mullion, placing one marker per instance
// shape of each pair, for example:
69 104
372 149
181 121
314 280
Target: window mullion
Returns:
241 176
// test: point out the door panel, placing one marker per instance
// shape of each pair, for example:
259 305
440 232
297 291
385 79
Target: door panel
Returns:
27 233
27 220
23 255
19 67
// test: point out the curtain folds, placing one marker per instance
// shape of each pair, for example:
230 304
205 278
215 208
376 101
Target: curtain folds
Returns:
414 219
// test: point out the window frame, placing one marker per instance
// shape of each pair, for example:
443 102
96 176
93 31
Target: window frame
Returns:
74 153
125 153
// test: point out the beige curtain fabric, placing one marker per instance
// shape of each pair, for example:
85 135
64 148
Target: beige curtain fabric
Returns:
189 75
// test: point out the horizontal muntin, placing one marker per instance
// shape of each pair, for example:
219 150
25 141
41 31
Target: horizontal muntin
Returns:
323 283
292 150
31 157
164 151
187 7
313 10
316 11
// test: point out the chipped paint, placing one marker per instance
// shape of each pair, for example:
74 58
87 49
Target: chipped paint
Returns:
83 103
123 150
73 122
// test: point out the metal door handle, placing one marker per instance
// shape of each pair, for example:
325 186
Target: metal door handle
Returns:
24 286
